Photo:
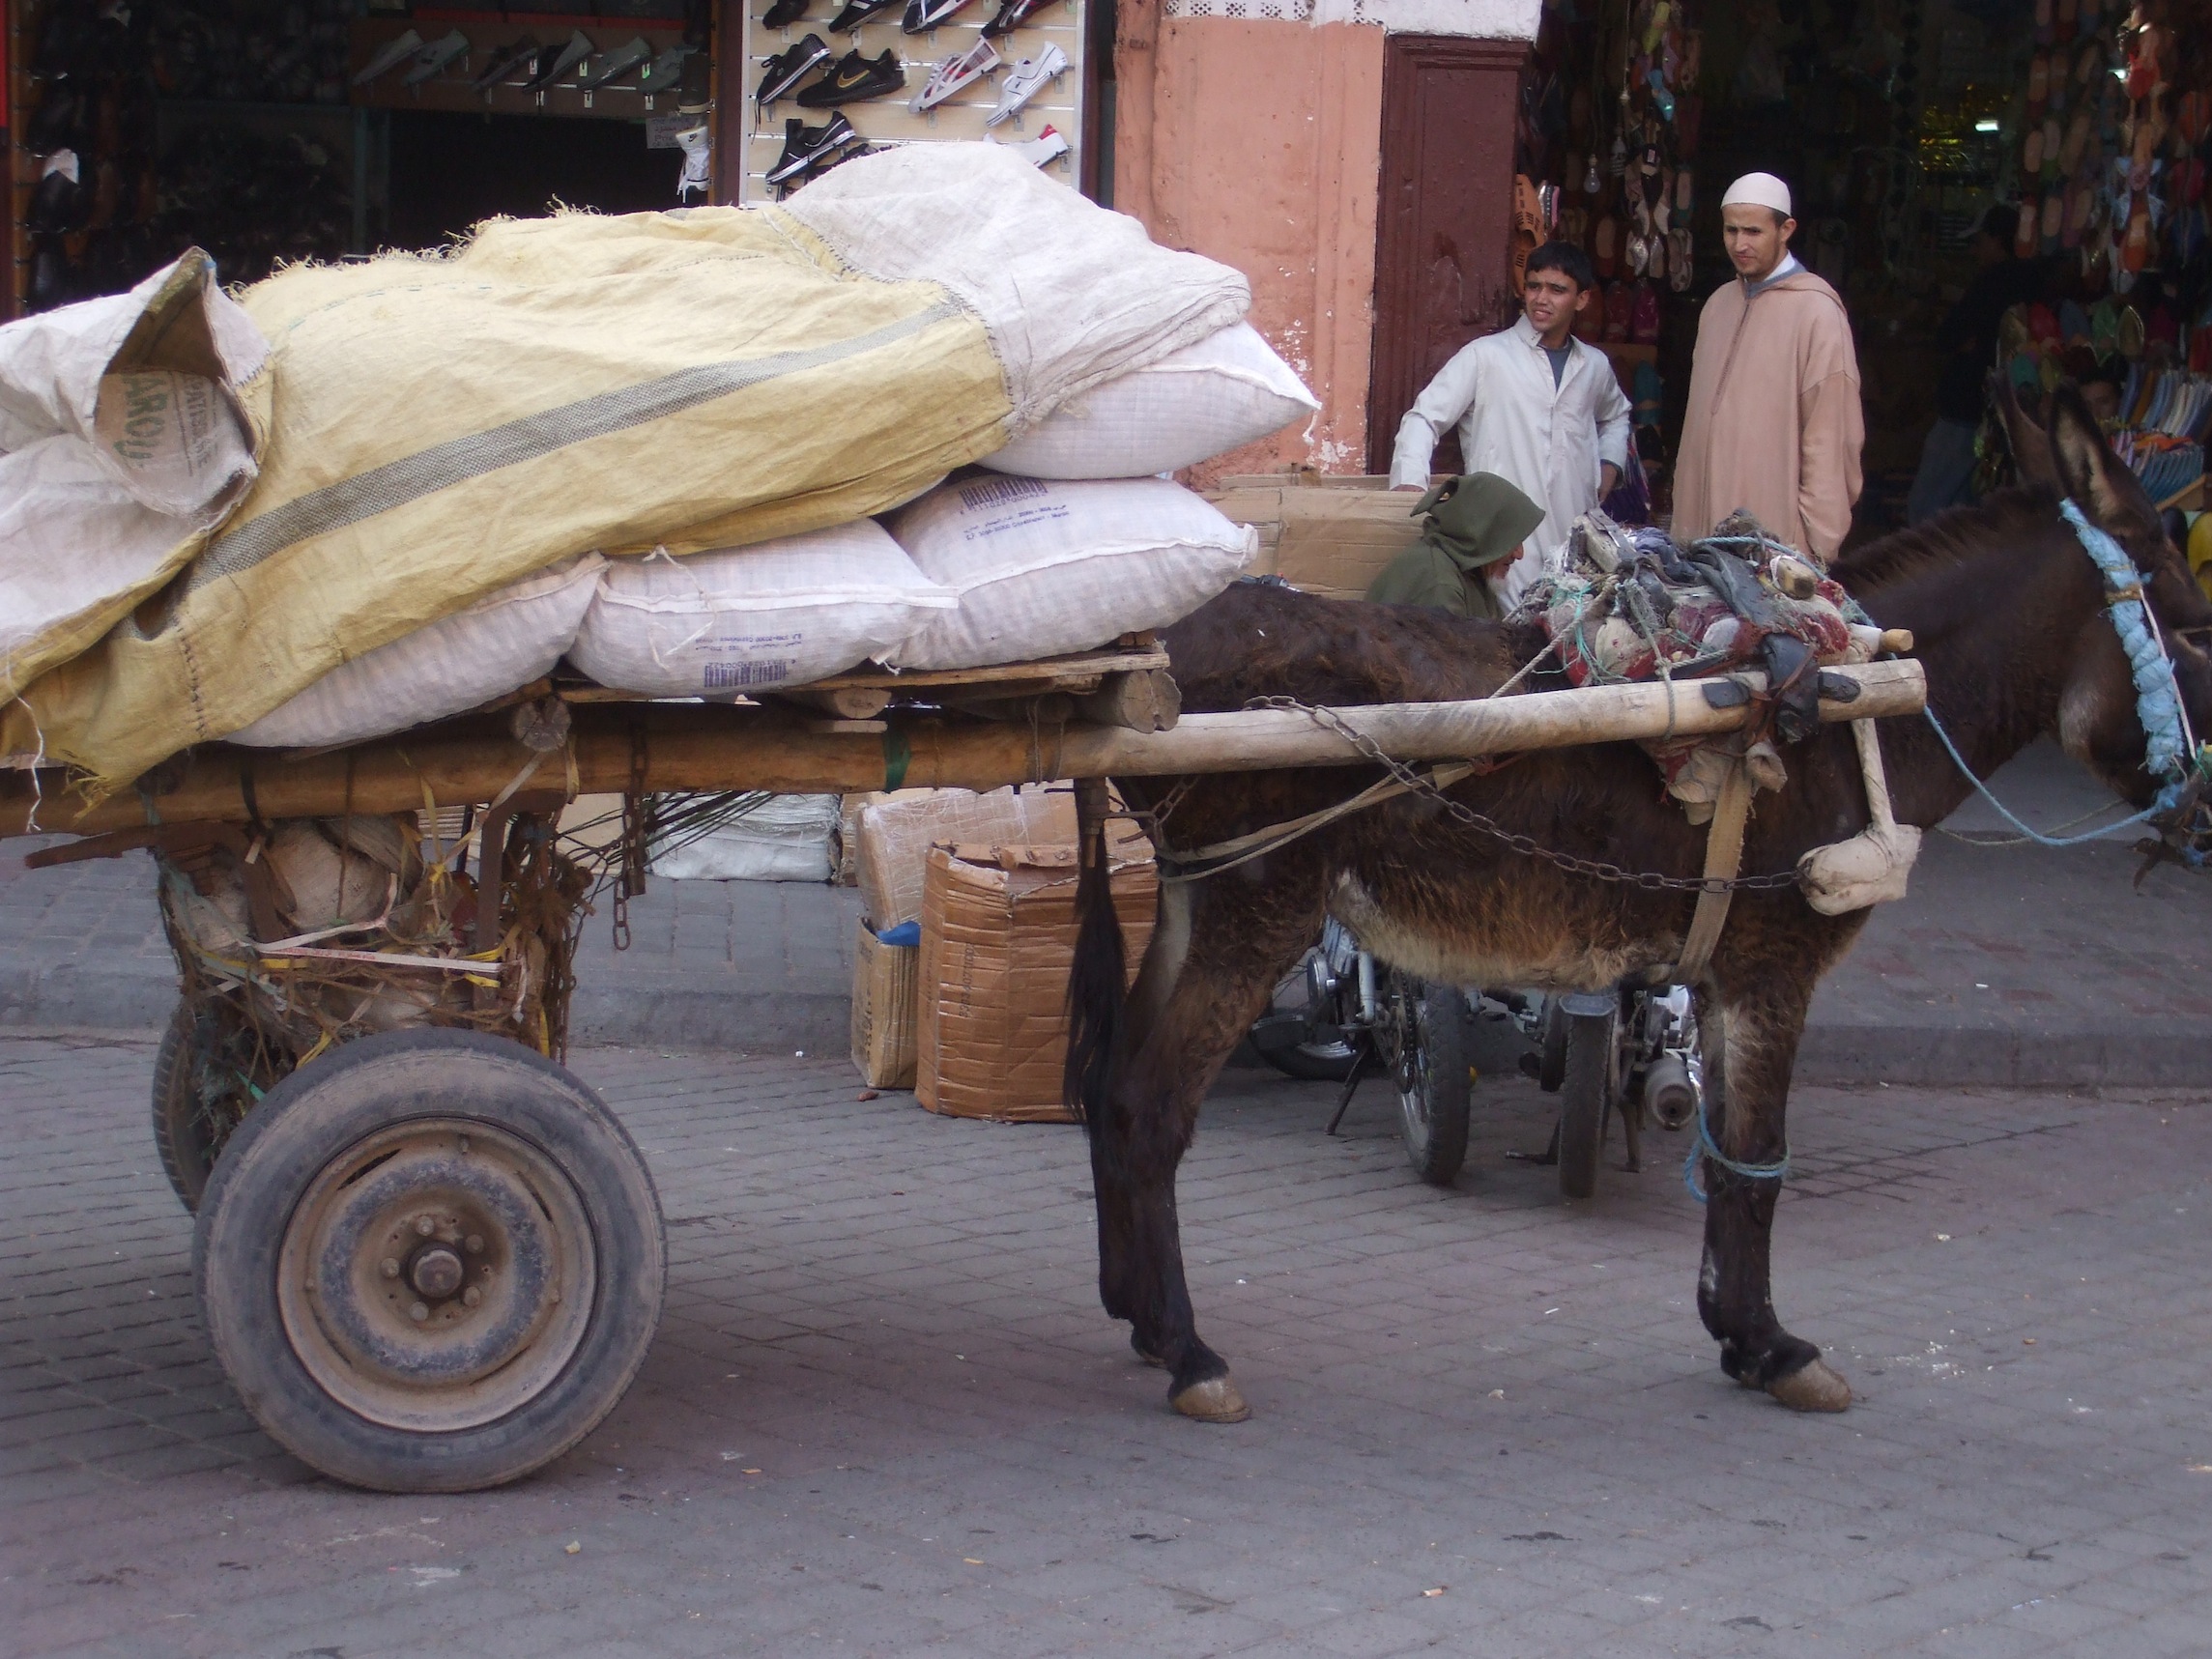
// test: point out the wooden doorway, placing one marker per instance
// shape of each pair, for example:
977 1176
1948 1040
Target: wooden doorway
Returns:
1444 221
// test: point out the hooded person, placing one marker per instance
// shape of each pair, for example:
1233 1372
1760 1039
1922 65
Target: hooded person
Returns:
1775 425
1475 529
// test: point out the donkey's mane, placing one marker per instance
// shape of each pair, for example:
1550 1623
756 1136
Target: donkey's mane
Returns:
1992 527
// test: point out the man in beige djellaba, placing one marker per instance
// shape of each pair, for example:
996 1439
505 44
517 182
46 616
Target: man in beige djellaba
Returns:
1775 425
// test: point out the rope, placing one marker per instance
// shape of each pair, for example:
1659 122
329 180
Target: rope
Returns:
1703 1147
2027 831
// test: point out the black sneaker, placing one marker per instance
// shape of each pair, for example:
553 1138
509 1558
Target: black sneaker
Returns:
553 64
59 203
839 158
923 15
804 145
854 79
507 63
857 12
1011 14
787 70
784 12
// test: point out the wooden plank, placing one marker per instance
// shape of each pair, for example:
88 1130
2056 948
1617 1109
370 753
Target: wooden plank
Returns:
1053 672
703 747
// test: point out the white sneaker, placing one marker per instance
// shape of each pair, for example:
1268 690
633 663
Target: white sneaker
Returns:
435 57
391 58
1025 80
955 74
694 142
1047 146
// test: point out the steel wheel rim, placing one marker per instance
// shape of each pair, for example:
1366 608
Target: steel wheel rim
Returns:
436 1276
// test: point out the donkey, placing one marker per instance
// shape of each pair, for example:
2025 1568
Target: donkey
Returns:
2008 614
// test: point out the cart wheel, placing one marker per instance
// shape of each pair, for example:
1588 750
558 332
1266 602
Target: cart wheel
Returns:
1587 1090
431 1262
181 1132
1432 1081
1551 1053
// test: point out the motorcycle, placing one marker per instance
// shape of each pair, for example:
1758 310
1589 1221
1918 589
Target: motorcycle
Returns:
1630 1053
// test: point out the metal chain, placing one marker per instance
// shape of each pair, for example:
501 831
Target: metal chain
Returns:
1598 869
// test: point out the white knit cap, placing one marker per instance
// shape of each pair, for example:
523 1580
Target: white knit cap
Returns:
1758 191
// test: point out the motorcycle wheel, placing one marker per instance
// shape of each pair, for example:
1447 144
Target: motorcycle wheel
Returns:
1434 1094
1591 1082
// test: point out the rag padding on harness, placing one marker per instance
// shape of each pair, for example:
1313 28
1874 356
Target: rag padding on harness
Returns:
441 427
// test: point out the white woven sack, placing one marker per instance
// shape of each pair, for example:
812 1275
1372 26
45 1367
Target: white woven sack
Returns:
1044 568
786 838
1228 390
777 614
501 642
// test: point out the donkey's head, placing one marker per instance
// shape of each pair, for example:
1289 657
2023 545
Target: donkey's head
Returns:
2097 721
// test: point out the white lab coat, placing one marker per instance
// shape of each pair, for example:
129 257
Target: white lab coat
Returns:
1547 442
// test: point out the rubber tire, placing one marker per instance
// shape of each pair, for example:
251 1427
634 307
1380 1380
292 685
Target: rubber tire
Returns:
177 1133
1551 1049
1585 1096
313 1116
1441 1030
1297 1060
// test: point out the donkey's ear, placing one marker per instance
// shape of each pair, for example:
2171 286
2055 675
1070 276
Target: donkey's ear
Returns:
2105 489
2030 443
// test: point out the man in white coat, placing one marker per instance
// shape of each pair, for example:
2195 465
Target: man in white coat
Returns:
1535 406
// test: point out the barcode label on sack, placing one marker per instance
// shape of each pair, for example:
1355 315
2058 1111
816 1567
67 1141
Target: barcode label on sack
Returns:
735 677
1000 492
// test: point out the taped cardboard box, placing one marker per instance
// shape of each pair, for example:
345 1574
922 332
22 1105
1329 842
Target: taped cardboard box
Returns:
884 1011
896 832
1325 535
998 937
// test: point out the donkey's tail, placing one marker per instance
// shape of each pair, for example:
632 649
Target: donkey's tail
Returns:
1098 980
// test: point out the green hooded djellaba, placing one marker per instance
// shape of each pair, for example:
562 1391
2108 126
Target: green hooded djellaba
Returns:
1473 524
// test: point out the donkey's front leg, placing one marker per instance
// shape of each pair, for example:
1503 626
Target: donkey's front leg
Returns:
1749 1050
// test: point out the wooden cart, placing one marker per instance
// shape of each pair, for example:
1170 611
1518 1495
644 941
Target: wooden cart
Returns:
429 1257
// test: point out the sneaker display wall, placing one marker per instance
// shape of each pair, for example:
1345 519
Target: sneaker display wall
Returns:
909 72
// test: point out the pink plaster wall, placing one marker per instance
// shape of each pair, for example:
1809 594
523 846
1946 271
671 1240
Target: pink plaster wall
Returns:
1258 143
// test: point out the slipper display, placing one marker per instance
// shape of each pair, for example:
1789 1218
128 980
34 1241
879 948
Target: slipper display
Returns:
1025 80
1047 146
784 12
434 58
857 12
627 61
1011 14
787 68
391 58
804 145
551 65
923 15
507 63
854 78
955 75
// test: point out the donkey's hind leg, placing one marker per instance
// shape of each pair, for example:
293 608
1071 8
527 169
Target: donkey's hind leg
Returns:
1749 1051
1214 960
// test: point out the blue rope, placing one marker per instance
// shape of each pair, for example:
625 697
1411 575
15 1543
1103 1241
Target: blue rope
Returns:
1702 1146
2158 700
2029 830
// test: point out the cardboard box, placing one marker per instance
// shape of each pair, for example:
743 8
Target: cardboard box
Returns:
895 832
884 1011
998 937
1326 535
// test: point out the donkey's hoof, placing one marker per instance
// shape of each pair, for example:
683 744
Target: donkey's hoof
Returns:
1216 1400
1812 1387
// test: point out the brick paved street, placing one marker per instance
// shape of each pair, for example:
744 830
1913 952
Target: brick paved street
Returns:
886 1415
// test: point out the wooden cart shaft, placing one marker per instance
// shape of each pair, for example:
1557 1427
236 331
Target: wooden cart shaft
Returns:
663 748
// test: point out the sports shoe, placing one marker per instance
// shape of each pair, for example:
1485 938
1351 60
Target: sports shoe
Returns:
1011 14
698 146
1047 146
553 65
432 59
857 12
804 145
394 54
853 79
1024 81
788 68
663 73
507 63
626 61
955 73
784 12
923 15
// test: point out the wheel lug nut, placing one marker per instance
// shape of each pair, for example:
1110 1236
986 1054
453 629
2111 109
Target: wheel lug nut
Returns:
424 1225
390 1267
419 1313
471 1296
476 1243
